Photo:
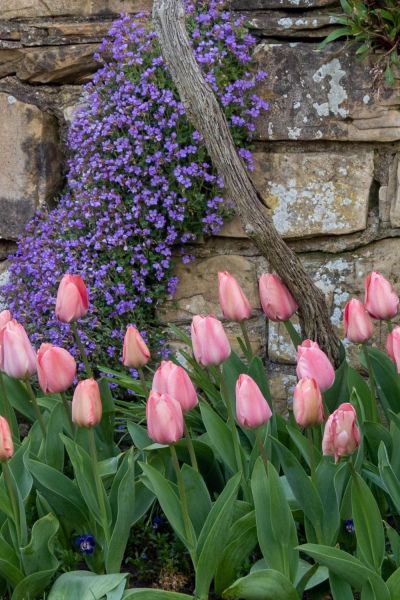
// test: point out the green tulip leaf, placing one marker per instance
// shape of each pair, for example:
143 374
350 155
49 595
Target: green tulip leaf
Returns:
262 585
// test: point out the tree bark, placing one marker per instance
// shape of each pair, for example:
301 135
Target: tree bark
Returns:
205 114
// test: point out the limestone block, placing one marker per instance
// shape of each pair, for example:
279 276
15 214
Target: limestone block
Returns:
323 96
21 9
287 4
30 163
314 24
197 291
393 191
282 386
315 193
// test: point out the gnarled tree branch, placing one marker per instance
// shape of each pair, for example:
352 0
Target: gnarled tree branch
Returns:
204 112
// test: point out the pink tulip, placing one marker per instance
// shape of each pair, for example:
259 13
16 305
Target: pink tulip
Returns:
232 299
209 341
393 346
86 404
341 435
252 409
56 369
381 301
72 301
308 408
313 363
135 353
358 326
17 357
6 442
277 302
164 418
5 317
173 380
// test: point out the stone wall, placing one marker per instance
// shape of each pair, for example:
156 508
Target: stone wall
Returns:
326 154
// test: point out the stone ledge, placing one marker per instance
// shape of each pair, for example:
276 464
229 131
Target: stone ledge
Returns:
20 9
314 24
276 4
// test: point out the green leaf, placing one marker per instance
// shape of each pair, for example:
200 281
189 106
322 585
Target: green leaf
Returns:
262 585
338 392
139 435
325 481
152 594
220 435
86 586
338 33
389 478
303 445
198 497
277 537
368 524
212 539
394 540
10 568
19 397
54 448
393 584
242 540
340 589
387 379
257 371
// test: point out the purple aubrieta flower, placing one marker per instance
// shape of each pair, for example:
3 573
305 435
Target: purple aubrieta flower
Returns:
86 543
139 182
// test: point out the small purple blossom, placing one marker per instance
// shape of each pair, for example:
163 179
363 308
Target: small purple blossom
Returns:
86 543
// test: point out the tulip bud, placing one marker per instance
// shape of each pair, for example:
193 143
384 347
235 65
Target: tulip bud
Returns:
313 363
56 369
173 380
252 409
381 301
5 317
341 435
358 326
209 341
6 442
164 418
232 299
135 353
86 404
308 408
393 346
72 301
17 357
277 302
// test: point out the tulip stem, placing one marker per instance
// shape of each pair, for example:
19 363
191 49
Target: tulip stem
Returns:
294 336
182 494
68 412
8 410
143 381
261 448
246 338
190 447
14 504
389 325
374 410
310 439
98 483
81 349
36 408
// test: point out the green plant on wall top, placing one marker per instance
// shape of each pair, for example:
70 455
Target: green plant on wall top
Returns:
374 25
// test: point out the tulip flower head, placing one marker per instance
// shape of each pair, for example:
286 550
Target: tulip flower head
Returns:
358 327
17 356
135 353
341 435
164 418
277 302
313 363
232 299
56 369
308 408
5 317
86 404
72 301
381 301
210 343
252 409
173 380
6 442
393 346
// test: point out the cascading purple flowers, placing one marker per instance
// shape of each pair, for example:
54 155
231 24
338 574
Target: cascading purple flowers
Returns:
139 181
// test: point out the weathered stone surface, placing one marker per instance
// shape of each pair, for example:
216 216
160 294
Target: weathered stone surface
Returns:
315 24
323 96
393 191
281 385
288 4
30 162
316 193
21 9
57 64
14 34
198 287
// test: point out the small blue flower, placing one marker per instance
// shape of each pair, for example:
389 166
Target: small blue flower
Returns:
86 543
349 525
158 522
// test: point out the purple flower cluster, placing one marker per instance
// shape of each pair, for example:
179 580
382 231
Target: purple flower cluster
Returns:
139 182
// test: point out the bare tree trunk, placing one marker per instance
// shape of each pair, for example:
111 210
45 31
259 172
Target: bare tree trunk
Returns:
204 112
